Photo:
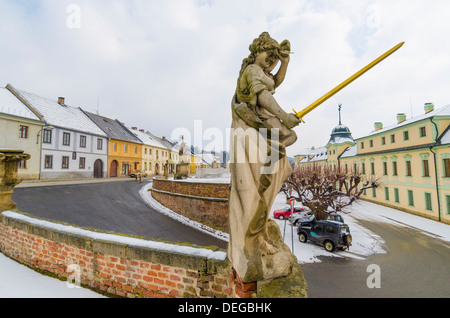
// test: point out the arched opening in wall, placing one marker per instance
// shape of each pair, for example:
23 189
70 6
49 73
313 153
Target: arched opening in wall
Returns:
113 168
98 169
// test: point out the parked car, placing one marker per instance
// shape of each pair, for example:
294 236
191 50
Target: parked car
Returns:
308 218
286 212
330 234
136 173
335 217
305 216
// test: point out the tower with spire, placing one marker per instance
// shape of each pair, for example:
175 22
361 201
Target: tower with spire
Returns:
340 139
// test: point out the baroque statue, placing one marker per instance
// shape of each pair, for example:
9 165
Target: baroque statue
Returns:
260 133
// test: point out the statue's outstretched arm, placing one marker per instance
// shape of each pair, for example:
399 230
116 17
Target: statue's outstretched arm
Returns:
266 100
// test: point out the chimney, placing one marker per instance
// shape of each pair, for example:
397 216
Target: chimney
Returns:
141 130
378 126
164 137
61 101
134 128
429 107
401 117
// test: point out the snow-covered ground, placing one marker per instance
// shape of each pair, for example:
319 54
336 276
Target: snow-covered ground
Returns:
364 242
19 281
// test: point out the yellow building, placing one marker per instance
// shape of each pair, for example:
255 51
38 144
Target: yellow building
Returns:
411 159
124 148
154 154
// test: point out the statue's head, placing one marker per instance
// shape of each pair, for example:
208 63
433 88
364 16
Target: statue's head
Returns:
266 44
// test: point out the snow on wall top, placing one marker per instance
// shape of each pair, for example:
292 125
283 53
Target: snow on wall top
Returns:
160 246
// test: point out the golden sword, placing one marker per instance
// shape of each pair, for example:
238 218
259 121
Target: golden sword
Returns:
335 90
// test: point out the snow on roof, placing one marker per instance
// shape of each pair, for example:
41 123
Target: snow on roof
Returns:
443 111
68 117
341 140
146 138
350 152
11 105
312 155
445 137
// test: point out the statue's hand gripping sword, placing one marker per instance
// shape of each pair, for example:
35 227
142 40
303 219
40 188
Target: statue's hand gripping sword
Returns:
335 90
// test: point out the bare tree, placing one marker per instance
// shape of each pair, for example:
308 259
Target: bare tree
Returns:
324 189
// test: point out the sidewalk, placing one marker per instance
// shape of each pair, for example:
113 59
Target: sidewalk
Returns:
55 182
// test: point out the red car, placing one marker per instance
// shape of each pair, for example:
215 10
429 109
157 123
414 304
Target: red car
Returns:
286 212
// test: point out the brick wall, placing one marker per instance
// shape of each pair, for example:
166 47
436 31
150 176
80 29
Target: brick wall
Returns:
200 189
115 267
206 203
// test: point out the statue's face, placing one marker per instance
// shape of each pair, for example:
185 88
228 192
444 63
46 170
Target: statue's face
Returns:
267 58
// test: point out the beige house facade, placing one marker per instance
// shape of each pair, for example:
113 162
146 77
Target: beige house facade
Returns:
21 128
411 159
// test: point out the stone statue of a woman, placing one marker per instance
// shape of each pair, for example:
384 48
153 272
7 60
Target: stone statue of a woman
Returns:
261 129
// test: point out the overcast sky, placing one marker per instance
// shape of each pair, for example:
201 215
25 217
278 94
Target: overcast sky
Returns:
161 65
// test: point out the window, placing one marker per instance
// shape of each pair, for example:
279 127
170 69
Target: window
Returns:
392 139
66 139
385 172
428 201
447 198
370 143
446 168
383 140
114 146
135 149
82 141
82 163
386 193
372 168
362 145
426 168
74 155
422 131
408 168
405 135
374 192
22 164
363 168
396 195
394 168
410 198
319 228
47 136
23 132
65 162
99 144
331 230
48 162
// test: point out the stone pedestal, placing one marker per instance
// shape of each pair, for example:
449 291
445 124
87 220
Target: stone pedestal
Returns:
9 162
182 170
292 286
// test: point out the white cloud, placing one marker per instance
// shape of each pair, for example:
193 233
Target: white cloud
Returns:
161 65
